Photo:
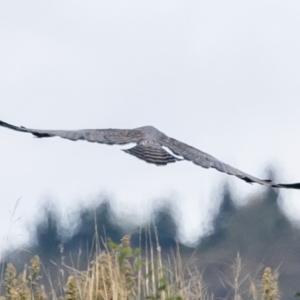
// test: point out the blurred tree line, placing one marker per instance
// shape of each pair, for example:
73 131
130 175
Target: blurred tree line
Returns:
258 231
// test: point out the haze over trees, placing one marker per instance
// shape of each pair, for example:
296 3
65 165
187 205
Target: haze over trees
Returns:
258 231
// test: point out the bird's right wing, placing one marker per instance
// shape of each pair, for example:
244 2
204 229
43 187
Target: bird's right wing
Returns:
104 136
208 161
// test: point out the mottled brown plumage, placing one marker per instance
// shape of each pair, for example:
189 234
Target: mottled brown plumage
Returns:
150 147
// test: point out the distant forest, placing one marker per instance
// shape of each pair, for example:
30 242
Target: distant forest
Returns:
258 231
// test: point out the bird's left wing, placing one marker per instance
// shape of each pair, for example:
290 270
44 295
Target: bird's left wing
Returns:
208 161
104 136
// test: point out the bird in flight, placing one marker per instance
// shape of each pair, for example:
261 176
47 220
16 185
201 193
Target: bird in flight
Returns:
151 145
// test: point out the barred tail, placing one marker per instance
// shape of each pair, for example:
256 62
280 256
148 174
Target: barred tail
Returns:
154 154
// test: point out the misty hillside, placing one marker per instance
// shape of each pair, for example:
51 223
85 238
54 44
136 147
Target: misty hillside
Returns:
258 231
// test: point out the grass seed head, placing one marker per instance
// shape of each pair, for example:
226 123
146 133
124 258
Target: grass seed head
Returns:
269 285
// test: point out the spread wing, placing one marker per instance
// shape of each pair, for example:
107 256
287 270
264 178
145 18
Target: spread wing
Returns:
207 161
150 153
105 136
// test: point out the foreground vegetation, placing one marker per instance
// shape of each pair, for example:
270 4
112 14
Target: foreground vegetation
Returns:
119 272
85 265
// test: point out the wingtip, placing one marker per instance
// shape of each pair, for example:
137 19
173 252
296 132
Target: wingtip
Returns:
4 124
290 185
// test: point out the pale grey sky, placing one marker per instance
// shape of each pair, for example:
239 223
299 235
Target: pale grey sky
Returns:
228 69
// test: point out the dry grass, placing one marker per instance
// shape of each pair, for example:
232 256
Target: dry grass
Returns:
118 272
269 285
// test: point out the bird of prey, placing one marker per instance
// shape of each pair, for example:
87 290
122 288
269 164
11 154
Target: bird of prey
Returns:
151 145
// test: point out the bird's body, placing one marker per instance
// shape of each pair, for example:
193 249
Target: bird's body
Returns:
150 147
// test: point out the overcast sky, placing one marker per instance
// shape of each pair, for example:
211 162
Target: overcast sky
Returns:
222 76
